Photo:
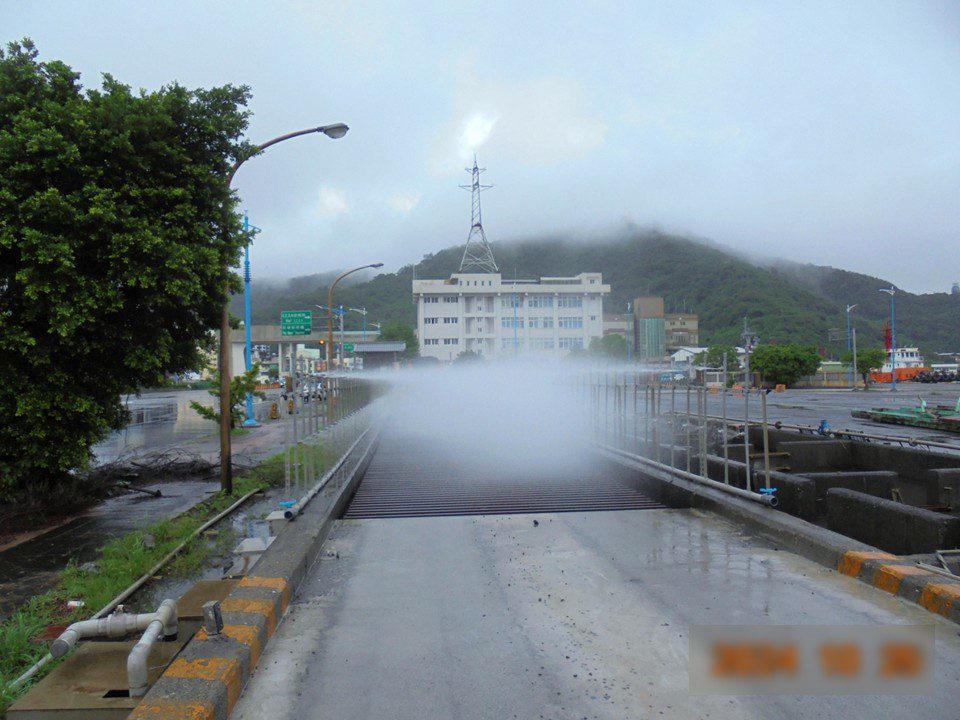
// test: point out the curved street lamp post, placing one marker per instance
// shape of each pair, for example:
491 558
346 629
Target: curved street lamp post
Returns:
892 292
330 313
335 132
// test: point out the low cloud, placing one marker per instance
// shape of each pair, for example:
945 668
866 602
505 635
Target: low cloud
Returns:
403 202
537 121
333 201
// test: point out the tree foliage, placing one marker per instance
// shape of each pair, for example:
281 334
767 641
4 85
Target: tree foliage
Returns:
611 347
115 228
868 359
468 356
240 386
401 331
713 357
784 363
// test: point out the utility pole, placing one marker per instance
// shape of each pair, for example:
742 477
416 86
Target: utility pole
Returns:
748 342
855 354
853 370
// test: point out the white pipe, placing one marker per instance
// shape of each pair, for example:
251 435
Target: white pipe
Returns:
763 499
114 626
164 624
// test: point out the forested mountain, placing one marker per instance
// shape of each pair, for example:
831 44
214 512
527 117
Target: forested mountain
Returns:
784 302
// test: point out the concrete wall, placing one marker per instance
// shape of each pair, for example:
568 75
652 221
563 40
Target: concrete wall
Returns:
871 482
812 456
942 486
890 525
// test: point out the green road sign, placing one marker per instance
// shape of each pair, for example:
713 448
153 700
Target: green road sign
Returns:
348 347
295 322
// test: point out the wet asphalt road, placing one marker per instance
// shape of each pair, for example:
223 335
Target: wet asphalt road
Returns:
585 616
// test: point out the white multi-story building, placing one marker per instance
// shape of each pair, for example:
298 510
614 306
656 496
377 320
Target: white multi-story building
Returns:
487 314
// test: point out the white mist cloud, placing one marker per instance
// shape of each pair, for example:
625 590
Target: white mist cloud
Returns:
497 418
537 121
404 202
332 201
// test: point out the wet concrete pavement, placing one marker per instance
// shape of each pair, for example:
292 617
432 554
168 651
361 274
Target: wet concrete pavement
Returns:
809 407
585 615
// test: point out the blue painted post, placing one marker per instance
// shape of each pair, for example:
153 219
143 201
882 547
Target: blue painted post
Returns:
251 420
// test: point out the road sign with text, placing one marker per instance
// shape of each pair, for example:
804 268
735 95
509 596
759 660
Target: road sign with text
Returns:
295 322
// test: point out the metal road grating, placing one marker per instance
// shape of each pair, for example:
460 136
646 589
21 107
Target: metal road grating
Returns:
406 479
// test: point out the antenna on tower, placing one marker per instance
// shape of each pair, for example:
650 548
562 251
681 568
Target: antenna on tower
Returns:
477 255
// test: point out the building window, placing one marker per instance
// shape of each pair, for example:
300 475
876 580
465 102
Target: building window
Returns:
511 322
569 302
431 341
449 298
450 321
540 323
451 341
570 323
508 344
542 343
540 301
431 299
571 343
430 321
593 318
510 301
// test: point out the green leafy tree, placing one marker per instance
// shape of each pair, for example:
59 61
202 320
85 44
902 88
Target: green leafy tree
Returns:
868 360
784 363
713 357
468 356
612 347
116 225
401 331
240 386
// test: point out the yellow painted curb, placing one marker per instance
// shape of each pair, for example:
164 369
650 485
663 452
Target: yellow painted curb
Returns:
279 584
889 577
246 634
852 561
939 598
173 710
257 607
225 670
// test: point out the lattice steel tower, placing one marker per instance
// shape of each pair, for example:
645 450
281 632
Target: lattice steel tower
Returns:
477 255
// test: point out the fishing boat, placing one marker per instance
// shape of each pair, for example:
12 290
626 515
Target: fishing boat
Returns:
941 417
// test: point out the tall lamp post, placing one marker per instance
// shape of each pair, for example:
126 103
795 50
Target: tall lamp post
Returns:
892 292
335 132
330 310
853 369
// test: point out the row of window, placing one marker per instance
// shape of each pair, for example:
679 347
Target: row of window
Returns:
436 320
567 343
436 298
446 341
542 301
538 323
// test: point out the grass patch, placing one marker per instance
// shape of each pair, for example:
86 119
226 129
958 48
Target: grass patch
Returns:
121 562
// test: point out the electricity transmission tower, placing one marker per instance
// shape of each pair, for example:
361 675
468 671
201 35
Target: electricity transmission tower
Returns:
477 256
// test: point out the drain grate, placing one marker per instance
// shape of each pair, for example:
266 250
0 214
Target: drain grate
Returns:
405 479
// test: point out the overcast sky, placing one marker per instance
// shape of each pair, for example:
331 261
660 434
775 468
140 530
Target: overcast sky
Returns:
819 132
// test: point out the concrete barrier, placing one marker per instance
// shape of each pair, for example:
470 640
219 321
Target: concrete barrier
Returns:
872 482
888 525
204 682
942 486
822 455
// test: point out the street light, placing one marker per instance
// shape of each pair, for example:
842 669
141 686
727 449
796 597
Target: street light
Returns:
330 311
853 370
362 311
892 292
335 131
